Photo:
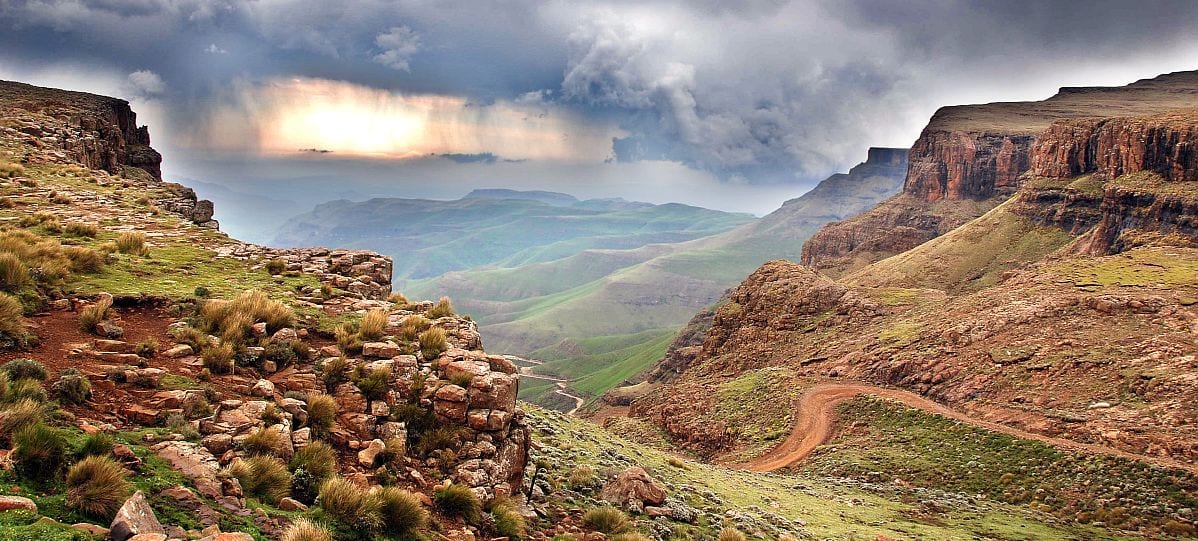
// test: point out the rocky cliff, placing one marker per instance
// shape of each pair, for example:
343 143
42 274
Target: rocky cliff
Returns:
1040 313
969 158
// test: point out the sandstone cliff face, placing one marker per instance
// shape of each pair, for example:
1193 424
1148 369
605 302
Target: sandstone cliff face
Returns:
958 165
1165 144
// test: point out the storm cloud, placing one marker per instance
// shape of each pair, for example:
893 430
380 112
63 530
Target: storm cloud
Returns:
751 92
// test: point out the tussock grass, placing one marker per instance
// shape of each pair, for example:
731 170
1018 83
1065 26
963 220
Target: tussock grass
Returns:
14 275
322 414
72 388
132 243
397 298
84 260
348 504
80 229
508 520
263 477
98 444
608 520
334 371
11 170
218 359
97 486
266 442
731 534
317 458
433 343
276 266
231 320
12 322
443 308
374 386
92 315
374 324
306 530
400 511
458 501
39 453
18 415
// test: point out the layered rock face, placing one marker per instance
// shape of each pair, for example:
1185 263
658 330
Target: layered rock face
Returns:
970 158
96 131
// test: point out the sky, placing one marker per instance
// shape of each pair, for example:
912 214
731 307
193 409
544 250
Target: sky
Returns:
736 105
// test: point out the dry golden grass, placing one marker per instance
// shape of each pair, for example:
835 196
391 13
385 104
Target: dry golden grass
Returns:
374 324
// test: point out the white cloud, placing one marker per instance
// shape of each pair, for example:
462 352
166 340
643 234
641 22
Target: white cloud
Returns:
214 49
398 45
146 83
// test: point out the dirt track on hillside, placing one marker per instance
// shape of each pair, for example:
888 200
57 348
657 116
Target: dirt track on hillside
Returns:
816 418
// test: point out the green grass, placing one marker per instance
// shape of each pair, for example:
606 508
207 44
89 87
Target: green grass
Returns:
1153 267
604 362
885 442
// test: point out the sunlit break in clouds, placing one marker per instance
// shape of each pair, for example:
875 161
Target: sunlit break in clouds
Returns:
290 115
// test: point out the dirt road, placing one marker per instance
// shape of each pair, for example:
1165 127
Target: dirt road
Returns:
816 417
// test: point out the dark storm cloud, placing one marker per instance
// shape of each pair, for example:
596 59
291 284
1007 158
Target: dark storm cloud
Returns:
753 90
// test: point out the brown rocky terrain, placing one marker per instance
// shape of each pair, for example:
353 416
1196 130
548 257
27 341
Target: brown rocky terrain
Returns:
1066 310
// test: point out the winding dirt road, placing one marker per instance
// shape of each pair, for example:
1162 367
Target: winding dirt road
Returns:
816 416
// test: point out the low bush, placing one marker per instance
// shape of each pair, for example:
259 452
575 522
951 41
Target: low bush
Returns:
92 315
97 486
608 520
39 453
433 343
443 308
373 325
461 379
98 444
443 437
458 501
400 511
393 451
276 266
178 423
271 415
266 441
508 520
26 389
305 530
18 369
263 477
80 229
322 414
374 386
147 348
581 476
132 243
72 388
348 504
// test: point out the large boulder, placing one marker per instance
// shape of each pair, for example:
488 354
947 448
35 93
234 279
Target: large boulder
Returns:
633 489
134 517
18 503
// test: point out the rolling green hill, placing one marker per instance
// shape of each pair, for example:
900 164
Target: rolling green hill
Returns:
602 316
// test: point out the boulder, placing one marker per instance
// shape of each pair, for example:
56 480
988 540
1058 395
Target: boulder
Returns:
380 350
17 503
634 489
263 388
370 453
134 517
181 350
291 504
109 329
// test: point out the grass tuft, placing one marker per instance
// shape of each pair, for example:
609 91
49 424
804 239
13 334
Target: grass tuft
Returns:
458 501
97 486
263 477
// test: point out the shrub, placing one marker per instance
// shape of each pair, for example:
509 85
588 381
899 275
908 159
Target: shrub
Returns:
72 388
18 415
196 406
80 229
608 520
263 477
306 530
7 203
265 442
97 486
397 298
400 511
461 379
393 451
12 323
271 415
334 371
349 504
146 348
443 308
412 326
18 369
374 386
39 452
633 536
14 274
373 325
26 389
458 501
433 343
731 534
132 243
280 353
322 413
201 292
11 170
98 444
84 260
218 359
508 521
92 315
276 266
178 423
